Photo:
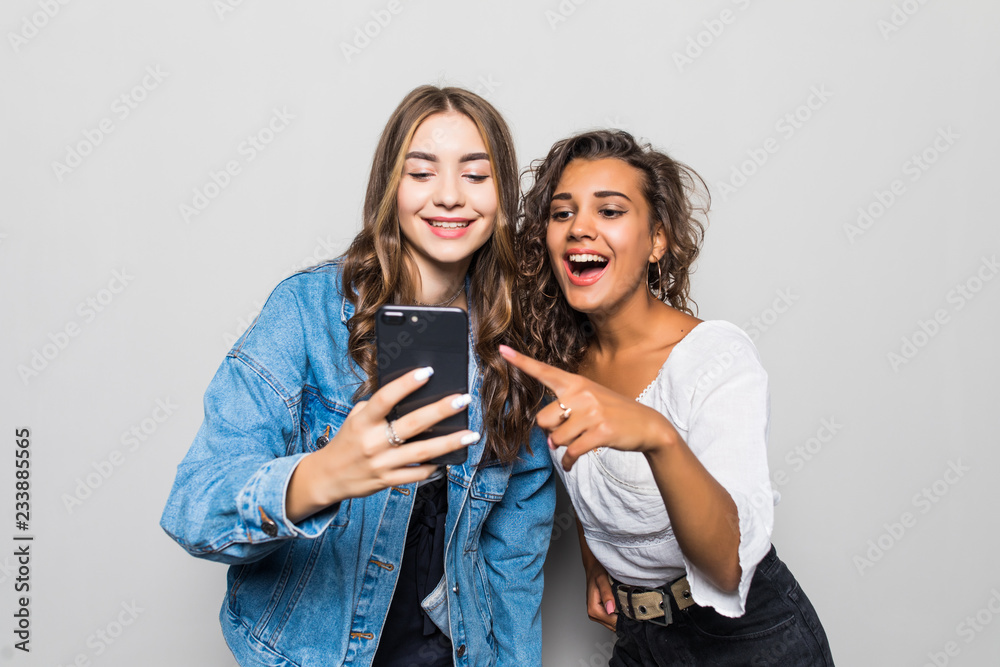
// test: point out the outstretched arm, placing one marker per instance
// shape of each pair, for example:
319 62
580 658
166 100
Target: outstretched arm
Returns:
703 515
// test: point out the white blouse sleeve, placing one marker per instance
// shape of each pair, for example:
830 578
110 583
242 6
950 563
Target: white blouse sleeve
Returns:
727 430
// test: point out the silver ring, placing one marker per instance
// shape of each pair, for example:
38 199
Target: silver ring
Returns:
566 412
392 436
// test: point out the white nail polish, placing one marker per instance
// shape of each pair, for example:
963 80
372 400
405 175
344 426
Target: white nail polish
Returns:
423 373
470 438
461 401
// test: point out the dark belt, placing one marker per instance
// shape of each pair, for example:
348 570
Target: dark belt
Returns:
652 604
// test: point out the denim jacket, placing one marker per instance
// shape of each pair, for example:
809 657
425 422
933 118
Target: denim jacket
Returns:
317 592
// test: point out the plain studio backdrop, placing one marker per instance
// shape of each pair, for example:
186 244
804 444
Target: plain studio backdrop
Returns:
164 165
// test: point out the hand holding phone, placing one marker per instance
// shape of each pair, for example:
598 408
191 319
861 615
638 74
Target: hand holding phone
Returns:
360 460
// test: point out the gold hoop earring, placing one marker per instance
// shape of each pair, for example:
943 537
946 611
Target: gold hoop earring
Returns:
659 292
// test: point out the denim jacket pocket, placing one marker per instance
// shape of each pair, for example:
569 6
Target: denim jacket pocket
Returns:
488 486
320 420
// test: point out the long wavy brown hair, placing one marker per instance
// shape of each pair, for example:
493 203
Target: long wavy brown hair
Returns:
376 265
678 198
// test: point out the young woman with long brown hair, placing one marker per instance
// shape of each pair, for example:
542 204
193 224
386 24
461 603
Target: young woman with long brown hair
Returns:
346 548
659 422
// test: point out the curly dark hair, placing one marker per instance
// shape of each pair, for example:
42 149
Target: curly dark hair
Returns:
677 197
375 265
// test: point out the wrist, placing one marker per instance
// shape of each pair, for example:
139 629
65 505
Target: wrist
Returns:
307 488
662 438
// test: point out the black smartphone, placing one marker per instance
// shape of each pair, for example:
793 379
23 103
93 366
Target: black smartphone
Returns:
409 337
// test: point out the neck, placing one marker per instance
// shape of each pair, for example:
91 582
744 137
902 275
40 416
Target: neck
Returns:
437 283
631 324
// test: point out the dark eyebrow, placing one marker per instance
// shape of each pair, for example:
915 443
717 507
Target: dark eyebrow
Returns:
562 195
420 155
610 193
472 157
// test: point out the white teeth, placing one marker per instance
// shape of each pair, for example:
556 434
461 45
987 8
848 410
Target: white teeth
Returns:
448 225
588 258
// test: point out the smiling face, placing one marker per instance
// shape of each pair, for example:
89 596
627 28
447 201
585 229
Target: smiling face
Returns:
599 235
447 200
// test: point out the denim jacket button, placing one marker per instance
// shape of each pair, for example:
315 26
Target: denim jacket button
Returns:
267 524
454 589
461 651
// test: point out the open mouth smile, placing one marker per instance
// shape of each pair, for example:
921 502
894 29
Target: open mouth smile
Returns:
584 268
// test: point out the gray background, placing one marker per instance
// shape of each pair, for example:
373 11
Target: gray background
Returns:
832 302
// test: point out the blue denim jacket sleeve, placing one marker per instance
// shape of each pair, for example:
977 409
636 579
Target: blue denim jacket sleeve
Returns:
227 502
514 542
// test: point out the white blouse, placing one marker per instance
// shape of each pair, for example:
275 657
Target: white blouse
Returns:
713 389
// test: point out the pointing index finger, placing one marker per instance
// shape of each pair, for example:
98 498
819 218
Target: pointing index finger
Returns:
551 377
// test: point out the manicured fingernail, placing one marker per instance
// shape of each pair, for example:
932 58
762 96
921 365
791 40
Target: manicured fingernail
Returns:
506 352
423 373
610 607
470 438
461 401
551 446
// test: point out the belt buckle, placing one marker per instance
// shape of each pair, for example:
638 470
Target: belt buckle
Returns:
668 614
627 605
